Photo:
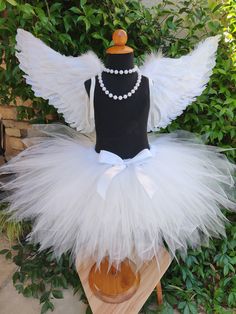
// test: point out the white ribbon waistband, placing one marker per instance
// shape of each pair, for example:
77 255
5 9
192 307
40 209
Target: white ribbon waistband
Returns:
118 165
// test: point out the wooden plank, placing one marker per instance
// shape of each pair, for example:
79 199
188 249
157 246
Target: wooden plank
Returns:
150 277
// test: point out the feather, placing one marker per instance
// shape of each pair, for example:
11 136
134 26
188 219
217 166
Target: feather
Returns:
58 78
177 82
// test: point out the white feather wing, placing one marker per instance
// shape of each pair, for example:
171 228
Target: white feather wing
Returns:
177 82
58 78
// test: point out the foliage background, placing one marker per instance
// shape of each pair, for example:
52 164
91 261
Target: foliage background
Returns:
73 29
206 278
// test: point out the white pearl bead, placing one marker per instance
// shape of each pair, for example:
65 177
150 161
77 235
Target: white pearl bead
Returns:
132 91
125 96
116 71
104 88
111 71
106 92
126 71
115 97
130 71
102 85
120 97
129 94
121 71
110 95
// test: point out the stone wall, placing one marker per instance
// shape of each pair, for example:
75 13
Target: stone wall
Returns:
15 130
150 3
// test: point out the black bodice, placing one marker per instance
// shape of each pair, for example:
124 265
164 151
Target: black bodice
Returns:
121 126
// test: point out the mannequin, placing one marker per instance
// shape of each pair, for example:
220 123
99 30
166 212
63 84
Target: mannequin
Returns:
109 283
126 134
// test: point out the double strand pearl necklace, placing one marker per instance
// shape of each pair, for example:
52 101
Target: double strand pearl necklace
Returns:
125 96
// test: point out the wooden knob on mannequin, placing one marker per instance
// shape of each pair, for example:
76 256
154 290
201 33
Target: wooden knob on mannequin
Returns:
119 38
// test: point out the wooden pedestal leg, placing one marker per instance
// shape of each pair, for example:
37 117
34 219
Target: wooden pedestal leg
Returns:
159 294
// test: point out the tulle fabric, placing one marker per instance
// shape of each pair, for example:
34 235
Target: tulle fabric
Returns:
55 186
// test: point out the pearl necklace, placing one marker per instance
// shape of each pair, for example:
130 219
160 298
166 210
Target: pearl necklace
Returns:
120 97
135 69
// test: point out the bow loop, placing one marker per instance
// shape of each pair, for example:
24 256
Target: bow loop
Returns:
118 165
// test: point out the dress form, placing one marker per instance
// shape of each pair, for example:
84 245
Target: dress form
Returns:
121 125
109 283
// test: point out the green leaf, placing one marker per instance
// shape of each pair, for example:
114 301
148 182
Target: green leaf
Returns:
193 308
88 310
4 251
27 9
181 305
144 40
186 310
217 7
19 288
57 294
83 2
86 22
12 2
2 5
8 255
45 296
47 306
226 270
75 10
97 36
27 292
15 277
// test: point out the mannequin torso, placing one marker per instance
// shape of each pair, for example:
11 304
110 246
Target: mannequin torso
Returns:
121 125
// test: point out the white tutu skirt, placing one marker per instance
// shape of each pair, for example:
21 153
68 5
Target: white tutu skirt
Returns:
119 209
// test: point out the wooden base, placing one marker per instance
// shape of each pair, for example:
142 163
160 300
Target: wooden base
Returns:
114 285
150 276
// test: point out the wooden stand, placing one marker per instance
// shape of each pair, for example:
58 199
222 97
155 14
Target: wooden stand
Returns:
150 276
114 285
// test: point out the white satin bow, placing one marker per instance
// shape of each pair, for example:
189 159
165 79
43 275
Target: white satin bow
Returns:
118 165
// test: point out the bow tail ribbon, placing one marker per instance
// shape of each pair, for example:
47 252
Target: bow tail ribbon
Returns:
147 183
106 178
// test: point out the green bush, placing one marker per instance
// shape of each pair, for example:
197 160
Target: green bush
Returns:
13 230
73 28
205 280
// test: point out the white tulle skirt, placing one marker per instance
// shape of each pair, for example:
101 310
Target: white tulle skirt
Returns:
97 205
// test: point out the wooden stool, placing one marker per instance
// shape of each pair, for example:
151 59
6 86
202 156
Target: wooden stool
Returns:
150 276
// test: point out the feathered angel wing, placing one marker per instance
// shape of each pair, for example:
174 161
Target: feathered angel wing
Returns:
58 78
175 83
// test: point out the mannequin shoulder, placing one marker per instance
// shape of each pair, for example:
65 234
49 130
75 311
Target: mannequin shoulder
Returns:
145 80
87 85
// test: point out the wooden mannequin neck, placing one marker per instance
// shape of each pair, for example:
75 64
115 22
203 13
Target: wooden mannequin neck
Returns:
120 61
